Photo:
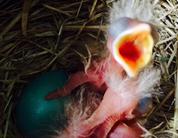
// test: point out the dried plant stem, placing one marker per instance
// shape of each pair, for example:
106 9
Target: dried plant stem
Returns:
175 125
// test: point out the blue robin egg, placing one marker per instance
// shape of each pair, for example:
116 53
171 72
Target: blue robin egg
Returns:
37 117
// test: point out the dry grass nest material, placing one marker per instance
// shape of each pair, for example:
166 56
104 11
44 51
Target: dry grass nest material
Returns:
41 35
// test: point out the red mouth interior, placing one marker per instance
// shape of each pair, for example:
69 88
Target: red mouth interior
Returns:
129 51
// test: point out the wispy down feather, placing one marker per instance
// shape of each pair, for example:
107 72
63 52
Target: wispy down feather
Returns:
138 9
147 80
78 110
141 86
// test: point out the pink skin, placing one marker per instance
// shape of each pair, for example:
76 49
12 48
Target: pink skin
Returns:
123 130
114 107
76 80
129 129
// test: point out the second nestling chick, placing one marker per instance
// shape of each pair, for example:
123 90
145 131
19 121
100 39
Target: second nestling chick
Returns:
130 43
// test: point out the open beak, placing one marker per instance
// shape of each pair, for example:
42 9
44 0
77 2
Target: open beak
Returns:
132 49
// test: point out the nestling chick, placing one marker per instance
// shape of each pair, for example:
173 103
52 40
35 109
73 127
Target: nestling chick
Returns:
130 42
113 117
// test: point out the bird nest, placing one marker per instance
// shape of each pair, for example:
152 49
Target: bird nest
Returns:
41 35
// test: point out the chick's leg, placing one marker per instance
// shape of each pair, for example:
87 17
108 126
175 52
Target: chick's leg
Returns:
75 80
78 79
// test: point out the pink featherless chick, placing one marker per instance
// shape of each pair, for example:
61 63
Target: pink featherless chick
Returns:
122 75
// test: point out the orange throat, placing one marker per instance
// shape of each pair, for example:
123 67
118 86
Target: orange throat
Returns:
130 52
